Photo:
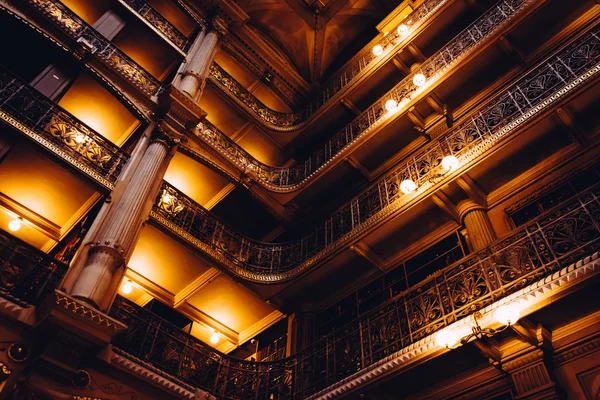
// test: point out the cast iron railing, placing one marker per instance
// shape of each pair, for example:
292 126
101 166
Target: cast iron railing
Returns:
556 239
550 80
27 275
38 117
354 69
96 44
434 69
149 13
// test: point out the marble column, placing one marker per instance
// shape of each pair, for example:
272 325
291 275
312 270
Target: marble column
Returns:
103 266
479 227
197 66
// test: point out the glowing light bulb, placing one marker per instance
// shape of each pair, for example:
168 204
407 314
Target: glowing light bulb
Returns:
419 79
408 186
402 29
127 287
14 225
449 163
391 105
508 314
214 338
167 198
446 337
80 138
378 50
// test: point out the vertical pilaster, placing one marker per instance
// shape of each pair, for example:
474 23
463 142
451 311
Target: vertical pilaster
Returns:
97 271
477 223
197 65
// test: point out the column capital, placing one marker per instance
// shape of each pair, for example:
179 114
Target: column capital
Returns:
466 206
219 24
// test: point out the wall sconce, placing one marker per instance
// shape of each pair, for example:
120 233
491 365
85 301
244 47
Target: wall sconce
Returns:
15 224
214 338
506 315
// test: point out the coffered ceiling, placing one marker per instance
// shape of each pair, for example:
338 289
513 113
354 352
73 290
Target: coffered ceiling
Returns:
342 28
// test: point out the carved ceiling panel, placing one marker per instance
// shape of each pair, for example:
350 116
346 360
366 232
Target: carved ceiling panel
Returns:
342 28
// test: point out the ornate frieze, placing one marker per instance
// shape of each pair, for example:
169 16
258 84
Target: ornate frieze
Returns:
545 251
42 120
544 84
160 23
94 43
440 64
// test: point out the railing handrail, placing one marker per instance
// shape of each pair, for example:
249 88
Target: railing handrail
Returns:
95 43
559 74
554 243
55 123
297 175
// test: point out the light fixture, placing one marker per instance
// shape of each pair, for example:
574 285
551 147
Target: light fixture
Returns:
167 197
214 338
507 314
391 105
447 337
419 79
402 29
408 186
15 224
449 163
80 138
378 50
127 286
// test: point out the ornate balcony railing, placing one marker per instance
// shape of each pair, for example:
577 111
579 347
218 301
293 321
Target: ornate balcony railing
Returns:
353 70
556 239
147 12
42 120
440 64
544 84
27 275
96 44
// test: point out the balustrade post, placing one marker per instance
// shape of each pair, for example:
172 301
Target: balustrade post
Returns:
197 65
477 223
98 269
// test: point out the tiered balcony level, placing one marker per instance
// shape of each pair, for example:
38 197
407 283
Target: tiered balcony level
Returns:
541 251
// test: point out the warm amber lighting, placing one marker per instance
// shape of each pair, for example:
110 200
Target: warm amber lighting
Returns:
214 338
167 198
80 138
447 337
127 287
402 29
419 79
507 314
14 225
391 105
449 163
408 186
378 50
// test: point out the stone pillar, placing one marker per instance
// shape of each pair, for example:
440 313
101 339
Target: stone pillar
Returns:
96 280
197 66
479 227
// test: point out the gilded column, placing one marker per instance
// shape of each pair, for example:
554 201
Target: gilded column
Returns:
197 66
475 219
102 267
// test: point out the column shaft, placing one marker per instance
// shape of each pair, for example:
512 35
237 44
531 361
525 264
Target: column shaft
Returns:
98 279
477 223
198 66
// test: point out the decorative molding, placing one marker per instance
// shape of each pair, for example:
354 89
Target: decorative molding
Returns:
30 217
194 287
535 296
202 318
156 291
259 326
230 187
